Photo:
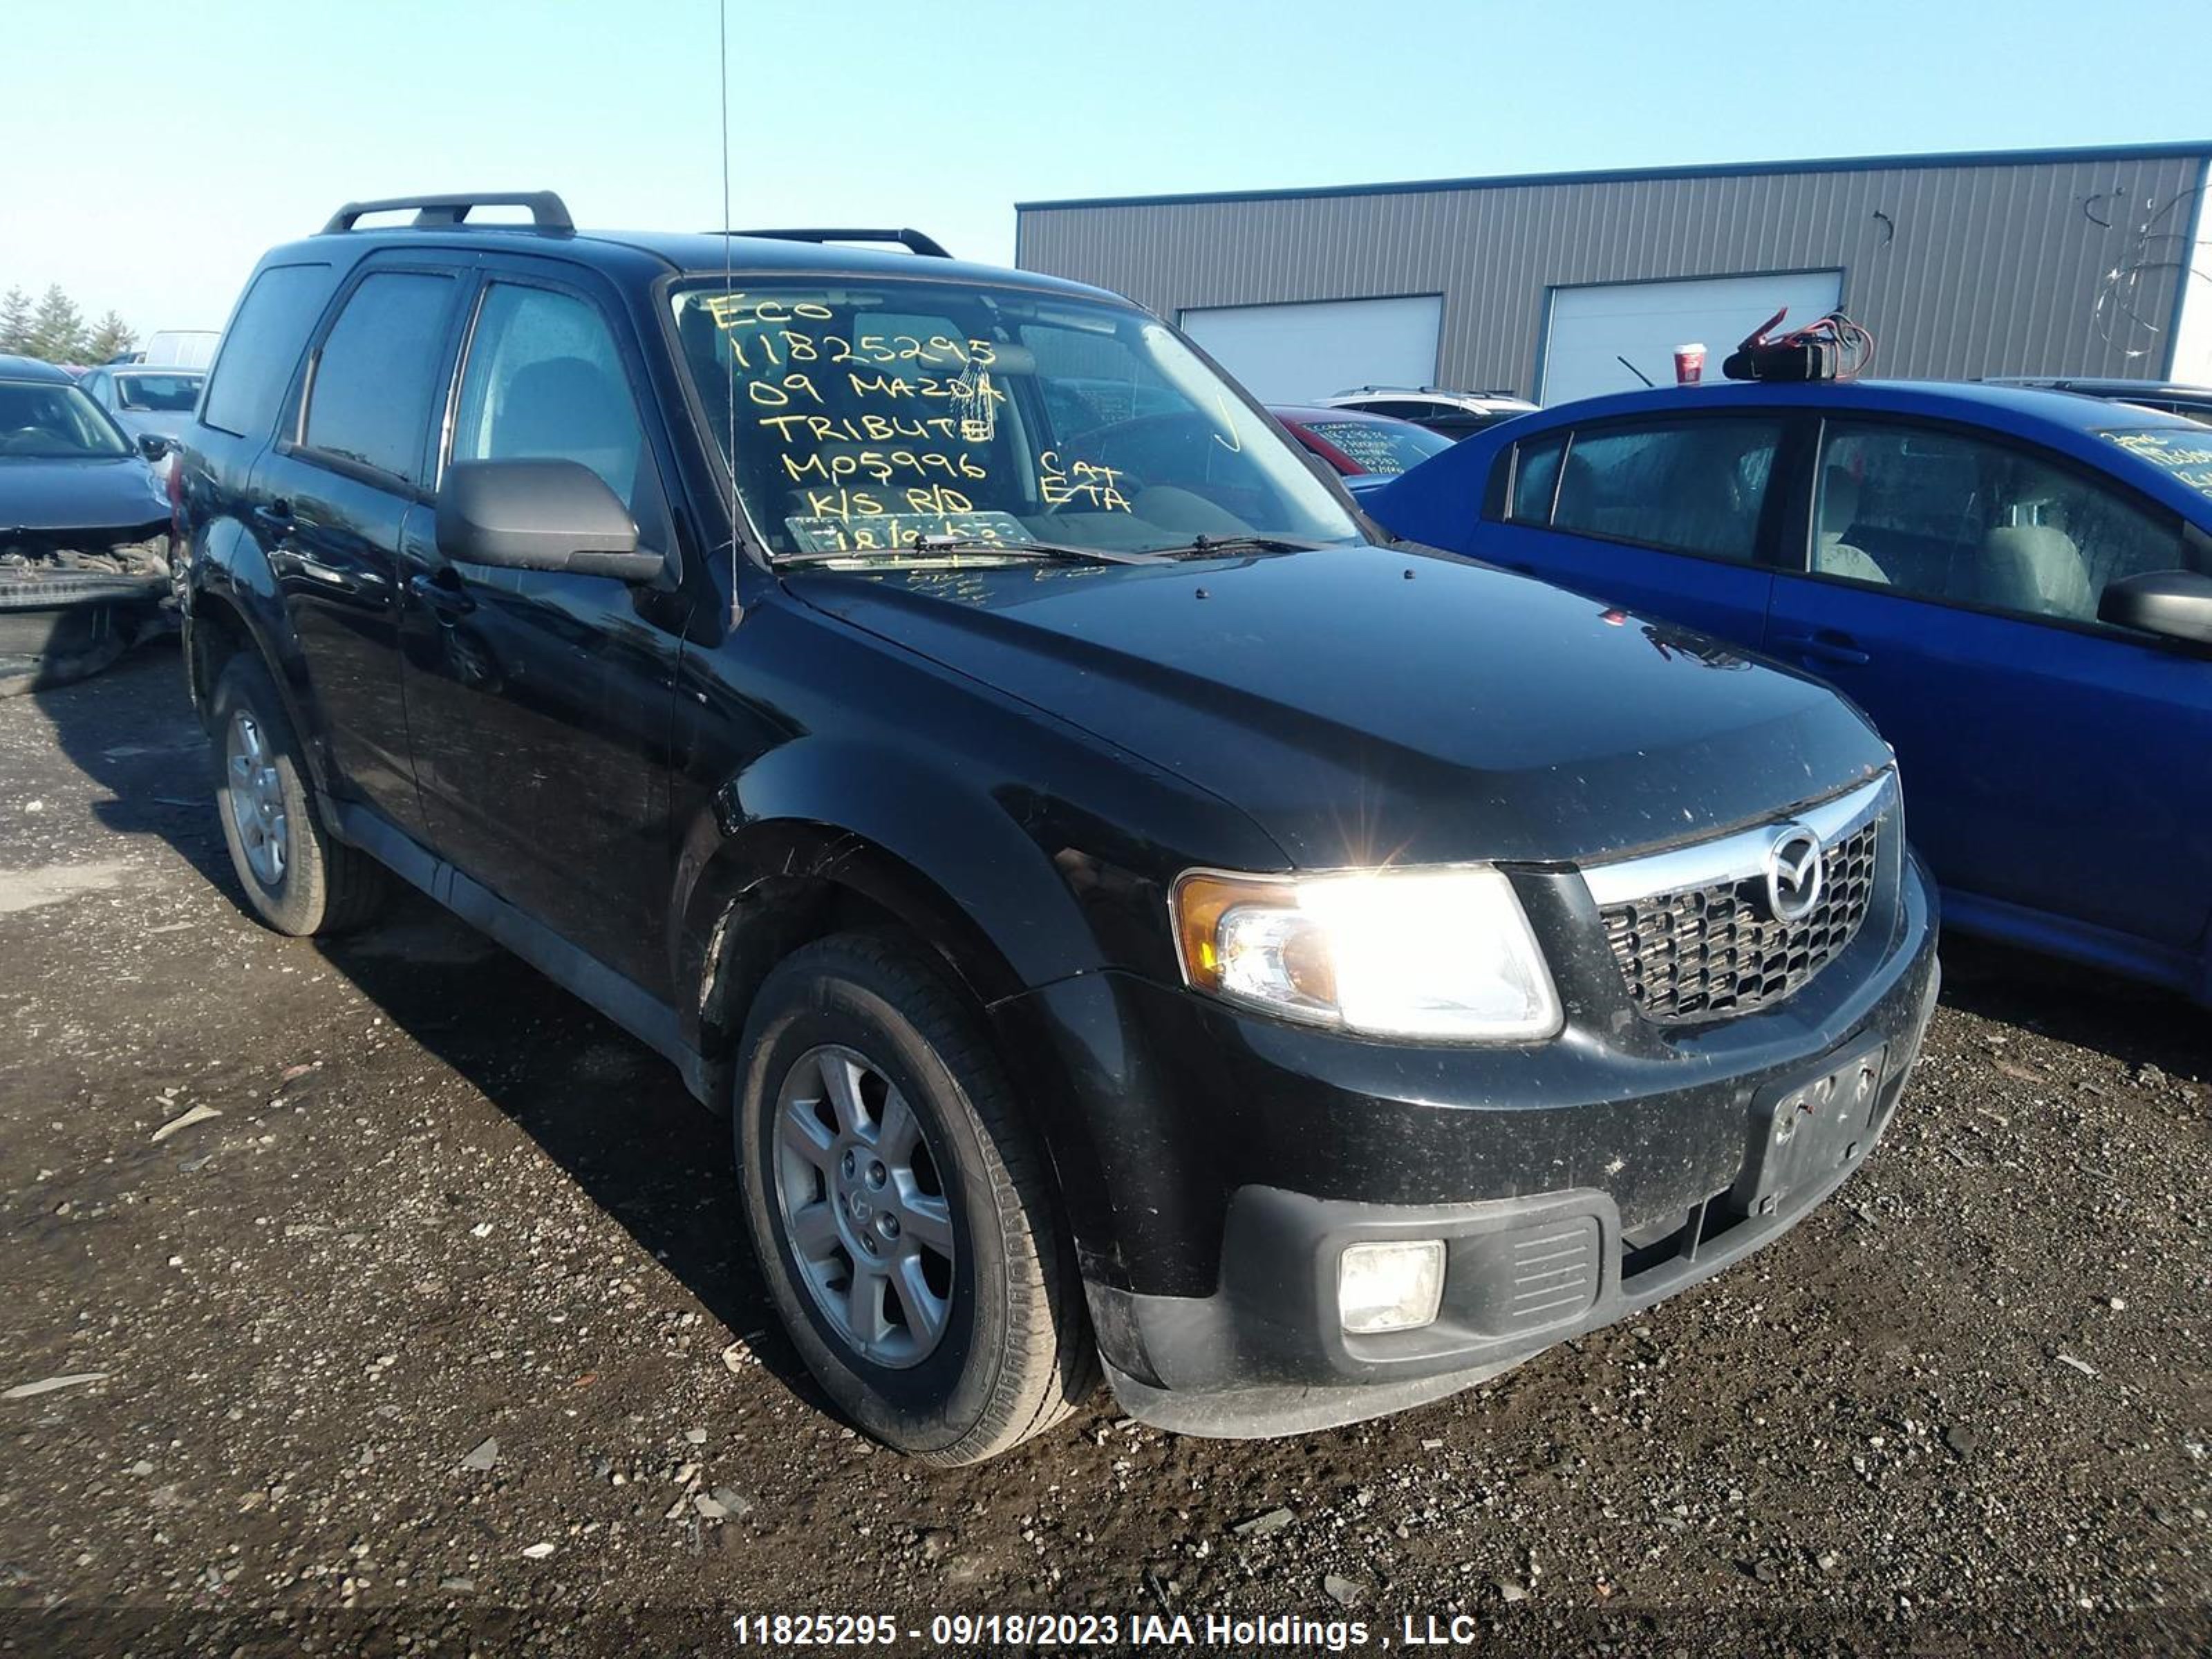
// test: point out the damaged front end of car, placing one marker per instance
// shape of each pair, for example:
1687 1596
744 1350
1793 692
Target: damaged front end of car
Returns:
72 601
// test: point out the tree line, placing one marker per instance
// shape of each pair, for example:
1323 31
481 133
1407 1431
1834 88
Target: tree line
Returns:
52 328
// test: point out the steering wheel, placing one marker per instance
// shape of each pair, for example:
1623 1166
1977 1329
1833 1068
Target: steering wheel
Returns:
26 437
1098 445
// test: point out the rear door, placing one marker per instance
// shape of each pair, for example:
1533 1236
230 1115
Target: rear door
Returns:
541 703
1667 514
345 483
2051 763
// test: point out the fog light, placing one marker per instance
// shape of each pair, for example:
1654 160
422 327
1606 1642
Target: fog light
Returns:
1389 1287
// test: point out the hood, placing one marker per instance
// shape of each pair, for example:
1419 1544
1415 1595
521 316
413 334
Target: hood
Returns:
1367 704
109 498
162 423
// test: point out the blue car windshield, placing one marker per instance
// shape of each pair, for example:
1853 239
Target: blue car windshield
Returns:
859 414
2183 455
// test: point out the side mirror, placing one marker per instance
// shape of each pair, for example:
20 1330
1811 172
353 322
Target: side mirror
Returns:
2176 603
539 515
153 446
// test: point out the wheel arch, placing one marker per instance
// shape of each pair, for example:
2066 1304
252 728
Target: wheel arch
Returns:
234 605
784 882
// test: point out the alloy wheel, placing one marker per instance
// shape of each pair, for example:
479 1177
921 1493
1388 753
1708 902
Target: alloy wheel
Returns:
255 795
861 1193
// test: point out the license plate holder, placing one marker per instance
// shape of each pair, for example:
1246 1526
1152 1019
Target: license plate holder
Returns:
1803 1130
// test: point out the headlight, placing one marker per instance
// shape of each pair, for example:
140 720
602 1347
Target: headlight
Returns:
1441 953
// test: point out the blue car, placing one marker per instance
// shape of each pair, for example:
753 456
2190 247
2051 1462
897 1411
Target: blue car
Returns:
2015 585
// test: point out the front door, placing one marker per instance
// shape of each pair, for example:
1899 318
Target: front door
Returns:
2050 761
541 703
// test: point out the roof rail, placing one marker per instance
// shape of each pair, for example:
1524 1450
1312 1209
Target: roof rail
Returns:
927 247
547 211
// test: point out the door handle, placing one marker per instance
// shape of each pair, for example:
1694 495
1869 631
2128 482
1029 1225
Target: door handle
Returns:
275 517
1823 647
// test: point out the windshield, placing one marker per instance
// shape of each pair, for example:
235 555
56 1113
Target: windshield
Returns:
1372 447
158 394
42 420
869 412
2180 453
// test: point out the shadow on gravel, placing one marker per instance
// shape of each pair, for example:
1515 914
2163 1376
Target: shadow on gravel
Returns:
606 1108
2139 1024
602 1105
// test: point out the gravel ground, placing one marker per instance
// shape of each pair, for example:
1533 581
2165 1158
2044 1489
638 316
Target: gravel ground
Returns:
403 1306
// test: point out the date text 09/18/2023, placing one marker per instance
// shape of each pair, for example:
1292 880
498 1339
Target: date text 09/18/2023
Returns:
1272 1633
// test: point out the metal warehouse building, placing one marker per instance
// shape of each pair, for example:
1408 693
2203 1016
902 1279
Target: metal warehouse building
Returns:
2068 262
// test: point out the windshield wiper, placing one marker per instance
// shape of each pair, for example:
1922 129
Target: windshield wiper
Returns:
924 547
1207 546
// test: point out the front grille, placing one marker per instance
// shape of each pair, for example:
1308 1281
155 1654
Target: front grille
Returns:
1711 952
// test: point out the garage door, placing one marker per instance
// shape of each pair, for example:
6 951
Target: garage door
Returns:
1592 329
1292 354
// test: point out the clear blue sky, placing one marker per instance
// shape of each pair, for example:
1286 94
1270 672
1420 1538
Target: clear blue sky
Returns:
230 125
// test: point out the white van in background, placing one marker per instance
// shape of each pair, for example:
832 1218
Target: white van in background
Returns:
180 347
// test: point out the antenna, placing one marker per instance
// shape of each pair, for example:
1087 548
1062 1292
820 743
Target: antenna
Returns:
730 452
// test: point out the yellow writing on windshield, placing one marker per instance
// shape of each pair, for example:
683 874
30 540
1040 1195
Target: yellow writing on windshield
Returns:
1080 483
866 421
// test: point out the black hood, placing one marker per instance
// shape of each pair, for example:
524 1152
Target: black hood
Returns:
112 499
1364 704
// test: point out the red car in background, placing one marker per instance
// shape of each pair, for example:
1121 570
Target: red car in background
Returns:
1366 450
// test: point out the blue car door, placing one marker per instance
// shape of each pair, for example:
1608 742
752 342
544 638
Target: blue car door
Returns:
2053 765
1663 514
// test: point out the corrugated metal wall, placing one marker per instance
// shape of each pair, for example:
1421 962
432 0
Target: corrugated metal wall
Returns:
1990 268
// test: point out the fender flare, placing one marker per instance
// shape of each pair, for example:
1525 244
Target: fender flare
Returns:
947 859
231 570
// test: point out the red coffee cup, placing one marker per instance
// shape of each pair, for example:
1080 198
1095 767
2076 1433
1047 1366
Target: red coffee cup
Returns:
1689 364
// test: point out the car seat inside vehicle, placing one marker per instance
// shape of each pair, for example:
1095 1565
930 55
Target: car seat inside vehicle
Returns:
2034 568
568 407
1834 553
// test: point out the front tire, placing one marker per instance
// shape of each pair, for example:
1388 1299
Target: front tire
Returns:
299 878
901 1207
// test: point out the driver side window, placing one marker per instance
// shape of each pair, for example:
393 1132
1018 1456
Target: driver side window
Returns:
1954 516
545 381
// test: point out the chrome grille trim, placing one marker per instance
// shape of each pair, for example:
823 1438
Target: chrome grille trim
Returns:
1738 857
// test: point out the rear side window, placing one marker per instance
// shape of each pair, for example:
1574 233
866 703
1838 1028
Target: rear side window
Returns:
1693 486
1536 477
261 348
369 402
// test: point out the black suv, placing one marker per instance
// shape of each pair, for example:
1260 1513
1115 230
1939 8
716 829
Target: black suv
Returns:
1129 911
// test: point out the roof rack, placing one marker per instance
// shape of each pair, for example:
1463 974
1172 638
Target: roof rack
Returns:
547 210
928 246
1430 392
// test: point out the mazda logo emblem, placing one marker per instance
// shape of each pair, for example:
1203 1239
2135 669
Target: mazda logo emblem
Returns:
1795 867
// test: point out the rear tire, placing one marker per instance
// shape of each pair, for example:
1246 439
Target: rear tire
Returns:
901 1207
299 878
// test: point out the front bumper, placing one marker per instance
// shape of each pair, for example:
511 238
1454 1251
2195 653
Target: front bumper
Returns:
1238 1157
